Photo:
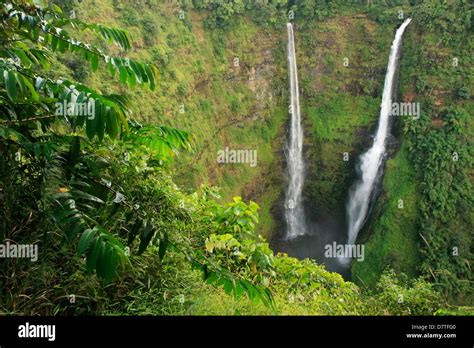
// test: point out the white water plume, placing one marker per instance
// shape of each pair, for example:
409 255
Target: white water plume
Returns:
294 212
371 162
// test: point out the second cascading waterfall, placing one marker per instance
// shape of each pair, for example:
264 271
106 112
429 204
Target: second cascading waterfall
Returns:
371 162
294 212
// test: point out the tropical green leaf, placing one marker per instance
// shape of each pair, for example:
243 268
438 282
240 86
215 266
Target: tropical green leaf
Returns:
9 77
163 246
93 257
146 236
85 241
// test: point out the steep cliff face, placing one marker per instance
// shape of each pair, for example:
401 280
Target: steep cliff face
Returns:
343 70
342 63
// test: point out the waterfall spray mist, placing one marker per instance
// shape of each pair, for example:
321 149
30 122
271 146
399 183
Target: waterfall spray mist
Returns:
371 162
294 212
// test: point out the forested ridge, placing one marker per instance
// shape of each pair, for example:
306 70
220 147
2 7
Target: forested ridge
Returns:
110 116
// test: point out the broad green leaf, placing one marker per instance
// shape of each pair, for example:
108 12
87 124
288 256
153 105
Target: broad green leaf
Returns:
10 83
75 217
54 42
87 196
123 74
163 246
107 263
94 254
212 278
100 119
132 80
111 264
146 236
228 286
73 232
63 45
112 124
85 240
94 62
134 230
238 290
91 129
29 85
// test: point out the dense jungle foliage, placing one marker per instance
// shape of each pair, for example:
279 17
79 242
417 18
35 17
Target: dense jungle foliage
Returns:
132 215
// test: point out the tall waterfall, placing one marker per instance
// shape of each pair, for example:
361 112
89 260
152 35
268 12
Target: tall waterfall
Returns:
370 163
294 212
